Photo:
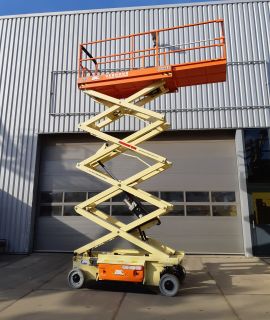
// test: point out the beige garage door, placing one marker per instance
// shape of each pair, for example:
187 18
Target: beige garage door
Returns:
202 184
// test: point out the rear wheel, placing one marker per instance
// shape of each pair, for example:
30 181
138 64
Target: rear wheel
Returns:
76 279
169 285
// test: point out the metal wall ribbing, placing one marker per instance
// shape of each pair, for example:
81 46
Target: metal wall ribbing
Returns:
39 52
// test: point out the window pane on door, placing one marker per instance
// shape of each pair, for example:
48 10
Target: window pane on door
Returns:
172 196
49 197
198 210
177 211
69 211
120 211
197 196
224 211
120 197
75 196
104 208
223 196
50 211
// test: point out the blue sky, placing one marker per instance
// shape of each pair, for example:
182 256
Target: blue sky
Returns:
10 7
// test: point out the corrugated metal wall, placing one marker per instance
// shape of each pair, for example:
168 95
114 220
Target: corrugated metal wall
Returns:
33 49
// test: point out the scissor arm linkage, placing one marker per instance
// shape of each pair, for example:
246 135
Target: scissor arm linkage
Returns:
131 106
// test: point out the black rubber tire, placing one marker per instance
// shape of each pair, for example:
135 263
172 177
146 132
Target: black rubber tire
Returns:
169 285
76 279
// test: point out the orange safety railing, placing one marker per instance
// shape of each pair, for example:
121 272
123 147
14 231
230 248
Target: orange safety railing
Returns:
149 49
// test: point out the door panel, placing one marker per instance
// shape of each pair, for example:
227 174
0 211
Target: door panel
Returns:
200 167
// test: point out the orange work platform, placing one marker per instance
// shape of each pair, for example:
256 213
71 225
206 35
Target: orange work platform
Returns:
137 60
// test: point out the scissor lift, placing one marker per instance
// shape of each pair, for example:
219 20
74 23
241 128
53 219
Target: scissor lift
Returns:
124 83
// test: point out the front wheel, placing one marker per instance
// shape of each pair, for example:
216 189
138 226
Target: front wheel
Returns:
169 285
76 279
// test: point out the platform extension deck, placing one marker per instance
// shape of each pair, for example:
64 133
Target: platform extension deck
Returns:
144 58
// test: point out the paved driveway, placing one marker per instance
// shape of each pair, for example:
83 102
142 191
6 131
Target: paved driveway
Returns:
216 287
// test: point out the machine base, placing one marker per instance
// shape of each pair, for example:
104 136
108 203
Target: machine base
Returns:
129 266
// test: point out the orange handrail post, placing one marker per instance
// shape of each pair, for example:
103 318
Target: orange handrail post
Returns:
96 68
80 61
223 40
157 48
164 58
132 51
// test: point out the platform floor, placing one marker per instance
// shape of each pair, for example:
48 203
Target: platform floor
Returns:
123 84
217 287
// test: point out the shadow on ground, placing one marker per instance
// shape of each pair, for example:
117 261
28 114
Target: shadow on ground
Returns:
35 287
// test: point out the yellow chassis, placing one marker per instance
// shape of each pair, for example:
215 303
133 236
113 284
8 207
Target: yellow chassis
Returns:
153 266
153 255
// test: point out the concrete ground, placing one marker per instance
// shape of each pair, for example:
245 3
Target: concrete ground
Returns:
216 287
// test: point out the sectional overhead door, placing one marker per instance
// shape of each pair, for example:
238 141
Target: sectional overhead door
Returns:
202 184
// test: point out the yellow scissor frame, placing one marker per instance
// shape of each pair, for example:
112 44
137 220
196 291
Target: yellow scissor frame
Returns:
151 253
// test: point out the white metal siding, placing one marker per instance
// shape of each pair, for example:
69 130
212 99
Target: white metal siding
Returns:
34 46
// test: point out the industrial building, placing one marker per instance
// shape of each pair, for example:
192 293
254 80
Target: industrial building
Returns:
218 143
